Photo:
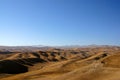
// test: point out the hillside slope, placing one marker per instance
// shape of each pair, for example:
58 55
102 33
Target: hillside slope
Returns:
75 64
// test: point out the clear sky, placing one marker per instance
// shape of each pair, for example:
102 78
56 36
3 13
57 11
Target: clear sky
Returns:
59 22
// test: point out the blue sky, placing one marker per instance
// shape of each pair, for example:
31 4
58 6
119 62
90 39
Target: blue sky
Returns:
59 22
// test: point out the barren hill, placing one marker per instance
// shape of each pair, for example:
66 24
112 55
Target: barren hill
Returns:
88 63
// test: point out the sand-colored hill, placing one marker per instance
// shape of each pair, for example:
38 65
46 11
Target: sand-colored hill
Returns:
75 64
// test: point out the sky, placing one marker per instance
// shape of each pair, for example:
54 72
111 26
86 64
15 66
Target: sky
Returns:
59 22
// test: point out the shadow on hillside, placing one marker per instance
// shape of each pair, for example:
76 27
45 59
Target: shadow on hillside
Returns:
11 67
18 65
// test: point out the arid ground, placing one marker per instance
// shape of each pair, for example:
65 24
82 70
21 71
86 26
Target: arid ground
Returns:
84 63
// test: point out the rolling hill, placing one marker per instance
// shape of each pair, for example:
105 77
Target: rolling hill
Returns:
84 63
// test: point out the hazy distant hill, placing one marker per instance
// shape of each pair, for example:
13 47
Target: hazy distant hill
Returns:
23 48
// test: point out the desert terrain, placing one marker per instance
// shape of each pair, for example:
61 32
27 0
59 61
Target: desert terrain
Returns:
50 63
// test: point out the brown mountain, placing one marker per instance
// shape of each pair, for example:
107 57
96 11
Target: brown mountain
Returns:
86 63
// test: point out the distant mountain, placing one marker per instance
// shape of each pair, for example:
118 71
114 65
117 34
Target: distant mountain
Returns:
41 47
85 46
23 48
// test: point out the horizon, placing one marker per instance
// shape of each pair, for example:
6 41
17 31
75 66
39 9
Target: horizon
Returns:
59 23
58 45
